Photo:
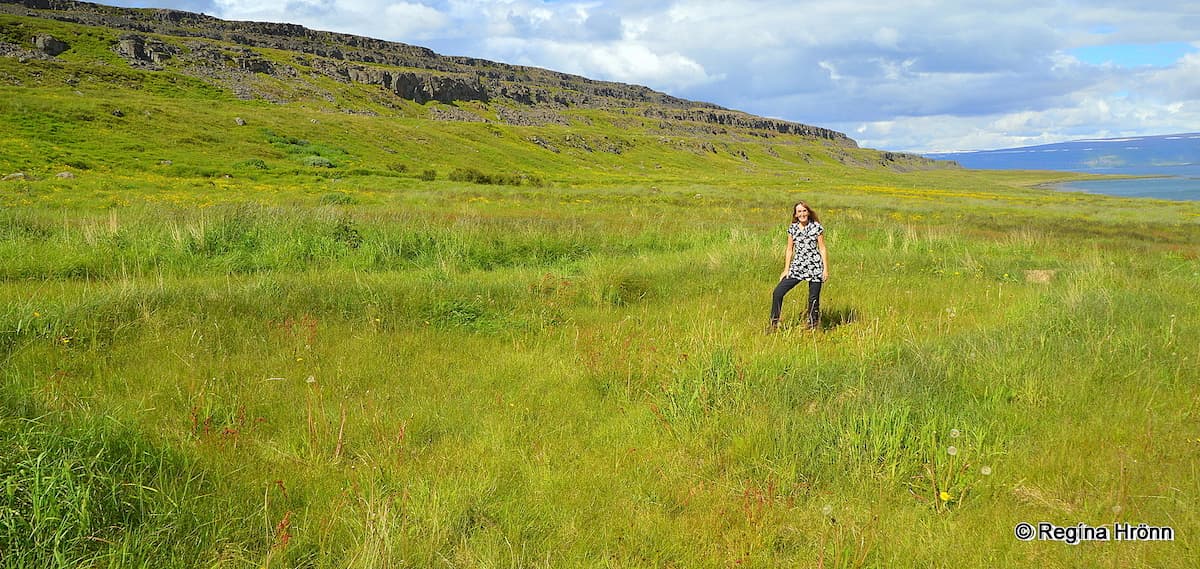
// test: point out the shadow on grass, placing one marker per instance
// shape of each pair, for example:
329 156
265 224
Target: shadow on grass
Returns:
840 316
830 319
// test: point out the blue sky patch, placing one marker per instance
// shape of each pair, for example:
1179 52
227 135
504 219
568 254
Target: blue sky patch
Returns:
1134 55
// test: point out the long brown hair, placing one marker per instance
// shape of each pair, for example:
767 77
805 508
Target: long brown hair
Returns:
812 214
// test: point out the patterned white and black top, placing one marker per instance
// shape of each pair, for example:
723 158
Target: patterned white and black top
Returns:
806 260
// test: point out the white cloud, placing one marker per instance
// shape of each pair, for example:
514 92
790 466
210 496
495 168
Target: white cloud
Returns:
619 61
1091 118
887 37
408 20
830 68
390 20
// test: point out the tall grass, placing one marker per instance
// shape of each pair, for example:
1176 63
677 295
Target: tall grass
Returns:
491 389
98 493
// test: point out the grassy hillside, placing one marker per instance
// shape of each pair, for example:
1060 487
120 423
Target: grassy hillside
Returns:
280 344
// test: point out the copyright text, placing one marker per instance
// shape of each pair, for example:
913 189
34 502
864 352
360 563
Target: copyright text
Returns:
1073 535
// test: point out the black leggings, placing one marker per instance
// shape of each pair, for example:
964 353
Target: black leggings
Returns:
813 312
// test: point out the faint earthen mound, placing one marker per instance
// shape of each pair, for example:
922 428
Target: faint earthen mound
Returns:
1040 276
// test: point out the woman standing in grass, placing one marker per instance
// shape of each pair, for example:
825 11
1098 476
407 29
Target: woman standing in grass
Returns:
805 259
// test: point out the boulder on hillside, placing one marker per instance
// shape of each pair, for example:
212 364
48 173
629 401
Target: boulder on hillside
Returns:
65 175
14 176
132 47
50 45
142 52
254 63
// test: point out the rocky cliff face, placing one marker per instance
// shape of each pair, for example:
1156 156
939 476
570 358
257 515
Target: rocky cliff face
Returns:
409 72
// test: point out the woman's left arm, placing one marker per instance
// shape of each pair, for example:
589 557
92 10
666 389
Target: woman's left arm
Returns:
824 257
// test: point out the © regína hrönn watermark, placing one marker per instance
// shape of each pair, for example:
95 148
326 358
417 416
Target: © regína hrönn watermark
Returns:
1073 535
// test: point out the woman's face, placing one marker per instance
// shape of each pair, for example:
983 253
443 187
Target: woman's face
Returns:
801 212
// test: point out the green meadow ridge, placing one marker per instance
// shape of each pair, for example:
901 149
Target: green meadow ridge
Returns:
233 53
131 77
421 114
259 307
392 108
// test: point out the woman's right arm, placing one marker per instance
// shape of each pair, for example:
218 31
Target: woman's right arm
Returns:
787 256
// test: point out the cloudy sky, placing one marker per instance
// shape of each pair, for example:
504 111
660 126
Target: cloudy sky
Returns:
931 75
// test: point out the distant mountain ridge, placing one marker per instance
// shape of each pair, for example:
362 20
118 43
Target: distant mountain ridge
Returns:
409 72
68 60
1126 155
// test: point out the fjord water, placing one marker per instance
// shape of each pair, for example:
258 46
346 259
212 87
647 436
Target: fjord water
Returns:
1168 183
1168 166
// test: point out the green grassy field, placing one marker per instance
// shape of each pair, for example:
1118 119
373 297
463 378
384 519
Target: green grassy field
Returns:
217 352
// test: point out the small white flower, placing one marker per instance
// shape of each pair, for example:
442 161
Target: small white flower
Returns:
952 451
827 509
954 433
986 471
310 379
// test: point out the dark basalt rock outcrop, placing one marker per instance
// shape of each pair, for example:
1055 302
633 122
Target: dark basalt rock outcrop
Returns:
149 53
50 45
